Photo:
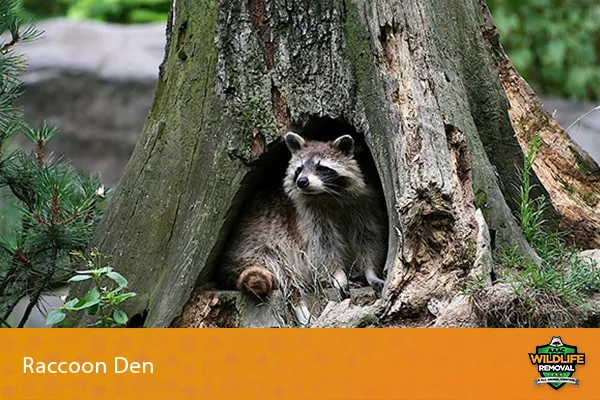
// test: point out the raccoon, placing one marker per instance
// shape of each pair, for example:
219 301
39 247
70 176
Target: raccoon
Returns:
326 218
341 214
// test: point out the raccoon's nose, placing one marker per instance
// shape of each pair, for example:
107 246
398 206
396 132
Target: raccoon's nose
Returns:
302 183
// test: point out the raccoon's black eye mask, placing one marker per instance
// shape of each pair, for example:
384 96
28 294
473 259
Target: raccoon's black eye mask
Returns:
330 176
323 169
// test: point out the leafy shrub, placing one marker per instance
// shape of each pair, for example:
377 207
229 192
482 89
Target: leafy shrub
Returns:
103 299
554 44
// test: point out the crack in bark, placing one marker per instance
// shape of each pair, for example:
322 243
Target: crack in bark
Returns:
192 160
161 126
457 145
181 36
282 116
258 15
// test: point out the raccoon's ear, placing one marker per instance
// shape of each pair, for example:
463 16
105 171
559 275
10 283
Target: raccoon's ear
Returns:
294 142
345 144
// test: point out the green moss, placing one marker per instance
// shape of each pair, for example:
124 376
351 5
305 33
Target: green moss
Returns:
361 55
481 199
470 254
368 320
566 186
588 198
252 114
438 201
247 76
583 165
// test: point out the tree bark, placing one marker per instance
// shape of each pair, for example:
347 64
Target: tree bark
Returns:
417 78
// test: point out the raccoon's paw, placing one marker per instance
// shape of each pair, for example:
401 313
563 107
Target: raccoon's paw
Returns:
341 283
375 282
256 280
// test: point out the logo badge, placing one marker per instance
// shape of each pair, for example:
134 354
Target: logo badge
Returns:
556 363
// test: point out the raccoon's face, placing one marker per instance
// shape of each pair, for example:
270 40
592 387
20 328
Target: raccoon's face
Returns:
322 169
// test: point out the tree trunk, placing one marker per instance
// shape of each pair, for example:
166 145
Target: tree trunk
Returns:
421 83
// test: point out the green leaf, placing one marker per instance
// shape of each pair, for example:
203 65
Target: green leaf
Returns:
122 297
93 294
95 271
79 278
74 304
115 276
92 310
99 323
70 303
87 304
55 317
120 317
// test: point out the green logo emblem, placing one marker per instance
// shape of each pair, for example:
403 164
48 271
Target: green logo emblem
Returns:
556 363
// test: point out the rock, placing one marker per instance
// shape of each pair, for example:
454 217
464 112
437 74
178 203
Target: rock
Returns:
97 82
458 314
348 315
592 255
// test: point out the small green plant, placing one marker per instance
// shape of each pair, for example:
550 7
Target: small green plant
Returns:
102 300
473 286
531 210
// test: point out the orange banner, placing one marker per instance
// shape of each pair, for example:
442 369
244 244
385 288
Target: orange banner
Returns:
280 364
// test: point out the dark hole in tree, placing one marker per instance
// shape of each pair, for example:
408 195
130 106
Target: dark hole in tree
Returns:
268 172
138 320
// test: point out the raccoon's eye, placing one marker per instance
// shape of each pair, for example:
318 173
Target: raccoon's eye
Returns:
323 169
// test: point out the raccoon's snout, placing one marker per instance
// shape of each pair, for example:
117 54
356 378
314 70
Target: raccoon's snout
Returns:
302 183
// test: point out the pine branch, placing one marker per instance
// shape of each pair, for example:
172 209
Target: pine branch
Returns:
8 46
40 153
44 285
18 258
3 322
9 309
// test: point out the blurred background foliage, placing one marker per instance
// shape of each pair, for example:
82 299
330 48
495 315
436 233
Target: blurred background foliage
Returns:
117 11
555 44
